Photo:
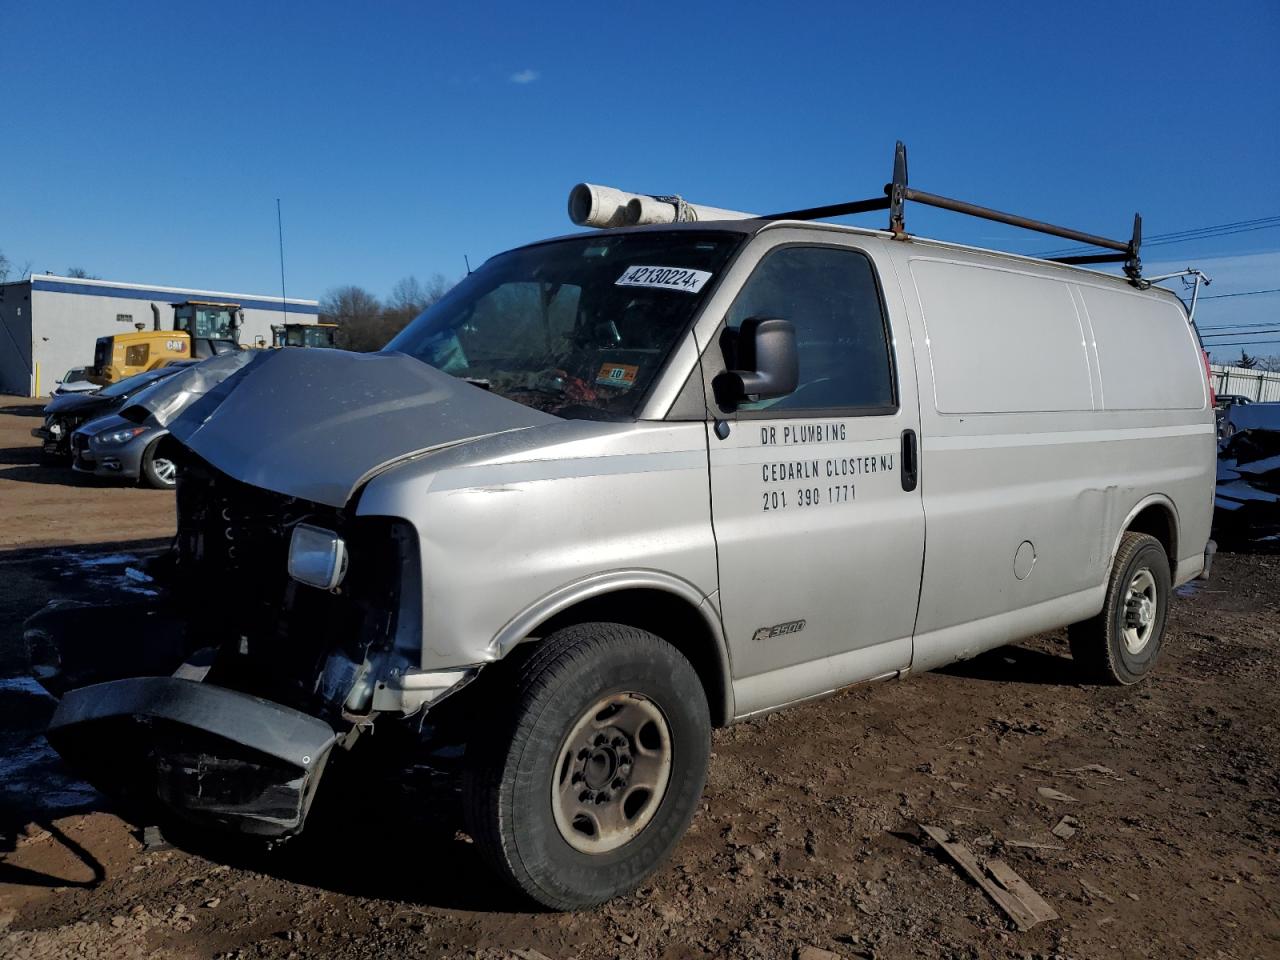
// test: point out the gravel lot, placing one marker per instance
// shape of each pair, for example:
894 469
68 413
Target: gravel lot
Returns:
808 838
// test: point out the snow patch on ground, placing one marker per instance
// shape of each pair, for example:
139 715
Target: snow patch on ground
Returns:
32 776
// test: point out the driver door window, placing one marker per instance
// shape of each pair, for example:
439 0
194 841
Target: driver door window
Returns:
831 298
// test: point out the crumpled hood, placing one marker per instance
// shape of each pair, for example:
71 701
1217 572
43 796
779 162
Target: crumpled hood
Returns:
80 404
316 424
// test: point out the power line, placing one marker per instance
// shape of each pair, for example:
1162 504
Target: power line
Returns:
1246 293
1234 327
1240 333
1241 343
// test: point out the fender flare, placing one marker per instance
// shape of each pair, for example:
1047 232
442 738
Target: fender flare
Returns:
1150 499
600 584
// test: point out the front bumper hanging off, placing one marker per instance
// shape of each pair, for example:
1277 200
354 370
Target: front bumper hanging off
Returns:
205 752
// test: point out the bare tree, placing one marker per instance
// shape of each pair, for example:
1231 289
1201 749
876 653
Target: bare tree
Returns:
80 273
365 324
7 269
358 315
409 297
1246 361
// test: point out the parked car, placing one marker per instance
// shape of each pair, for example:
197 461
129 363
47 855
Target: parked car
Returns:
63 415
1224 400
614 490
116 448
75 380
1223 403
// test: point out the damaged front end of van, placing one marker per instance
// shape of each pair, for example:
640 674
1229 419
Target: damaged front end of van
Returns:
285 624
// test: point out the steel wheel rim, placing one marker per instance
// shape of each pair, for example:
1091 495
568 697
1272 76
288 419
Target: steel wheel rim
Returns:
1141 605
166 470
611 773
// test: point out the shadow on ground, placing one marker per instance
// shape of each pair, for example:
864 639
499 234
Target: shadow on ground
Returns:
1017 665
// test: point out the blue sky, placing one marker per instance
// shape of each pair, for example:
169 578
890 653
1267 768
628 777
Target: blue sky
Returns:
149 141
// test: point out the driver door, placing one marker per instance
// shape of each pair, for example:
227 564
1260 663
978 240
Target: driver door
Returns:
819 524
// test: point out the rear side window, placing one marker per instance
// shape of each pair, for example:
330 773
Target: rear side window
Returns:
831 298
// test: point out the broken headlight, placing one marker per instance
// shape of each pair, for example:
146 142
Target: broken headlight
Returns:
317 557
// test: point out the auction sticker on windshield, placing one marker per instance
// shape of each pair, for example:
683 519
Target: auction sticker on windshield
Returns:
621 375
664 278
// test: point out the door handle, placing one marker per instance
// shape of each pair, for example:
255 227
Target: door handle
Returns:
910 461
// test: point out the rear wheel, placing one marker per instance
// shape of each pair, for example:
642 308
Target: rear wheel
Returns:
587 782
159 470
1120 645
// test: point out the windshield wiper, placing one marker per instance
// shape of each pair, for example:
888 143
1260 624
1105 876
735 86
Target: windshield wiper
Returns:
480 382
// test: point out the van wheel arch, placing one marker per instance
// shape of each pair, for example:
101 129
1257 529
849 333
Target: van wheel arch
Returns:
670 616
1155 516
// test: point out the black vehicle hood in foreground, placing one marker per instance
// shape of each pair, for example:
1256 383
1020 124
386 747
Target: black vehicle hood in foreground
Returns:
86 405
316 424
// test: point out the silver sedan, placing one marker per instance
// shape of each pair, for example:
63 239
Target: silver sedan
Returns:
117 448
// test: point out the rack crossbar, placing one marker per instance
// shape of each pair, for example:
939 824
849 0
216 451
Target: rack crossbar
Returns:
833 210
897 193
986 213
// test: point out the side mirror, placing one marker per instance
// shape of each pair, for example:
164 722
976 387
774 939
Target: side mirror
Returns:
768 357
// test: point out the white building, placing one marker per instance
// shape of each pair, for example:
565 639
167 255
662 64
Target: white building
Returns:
49 324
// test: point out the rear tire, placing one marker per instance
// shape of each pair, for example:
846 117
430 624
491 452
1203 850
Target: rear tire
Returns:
1120 645
158 470
589 776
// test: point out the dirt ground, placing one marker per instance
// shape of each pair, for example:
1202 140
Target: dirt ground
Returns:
809 832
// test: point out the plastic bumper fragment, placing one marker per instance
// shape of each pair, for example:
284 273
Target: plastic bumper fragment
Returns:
206 753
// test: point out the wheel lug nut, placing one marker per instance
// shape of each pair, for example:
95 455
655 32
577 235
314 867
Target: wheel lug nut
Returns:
586 796
619 742
602 796
618 783
576 778
601 740
584 753
624 761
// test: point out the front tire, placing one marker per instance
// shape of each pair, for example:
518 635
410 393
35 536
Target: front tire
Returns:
159 470
1120 645
585 783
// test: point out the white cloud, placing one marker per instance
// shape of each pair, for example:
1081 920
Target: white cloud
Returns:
525 76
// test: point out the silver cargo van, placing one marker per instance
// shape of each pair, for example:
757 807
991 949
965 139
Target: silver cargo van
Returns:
619 488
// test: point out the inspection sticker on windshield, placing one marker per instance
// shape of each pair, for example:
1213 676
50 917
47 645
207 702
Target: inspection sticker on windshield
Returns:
665 278
621 375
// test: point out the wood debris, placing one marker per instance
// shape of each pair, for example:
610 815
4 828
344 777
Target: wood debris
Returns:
1032 845
998 880
1051 794
1095 893
1066 827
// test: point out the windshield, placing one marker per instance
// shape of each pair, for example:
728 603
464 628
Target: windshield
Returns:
205 322
578 327
129 384
308 336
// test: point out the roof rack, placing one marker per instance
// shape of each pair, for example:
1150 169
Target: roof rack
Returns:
898 193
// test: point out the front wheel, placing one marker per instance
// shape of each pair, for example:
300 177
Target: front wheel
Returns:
587 782
1120 644
159 470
